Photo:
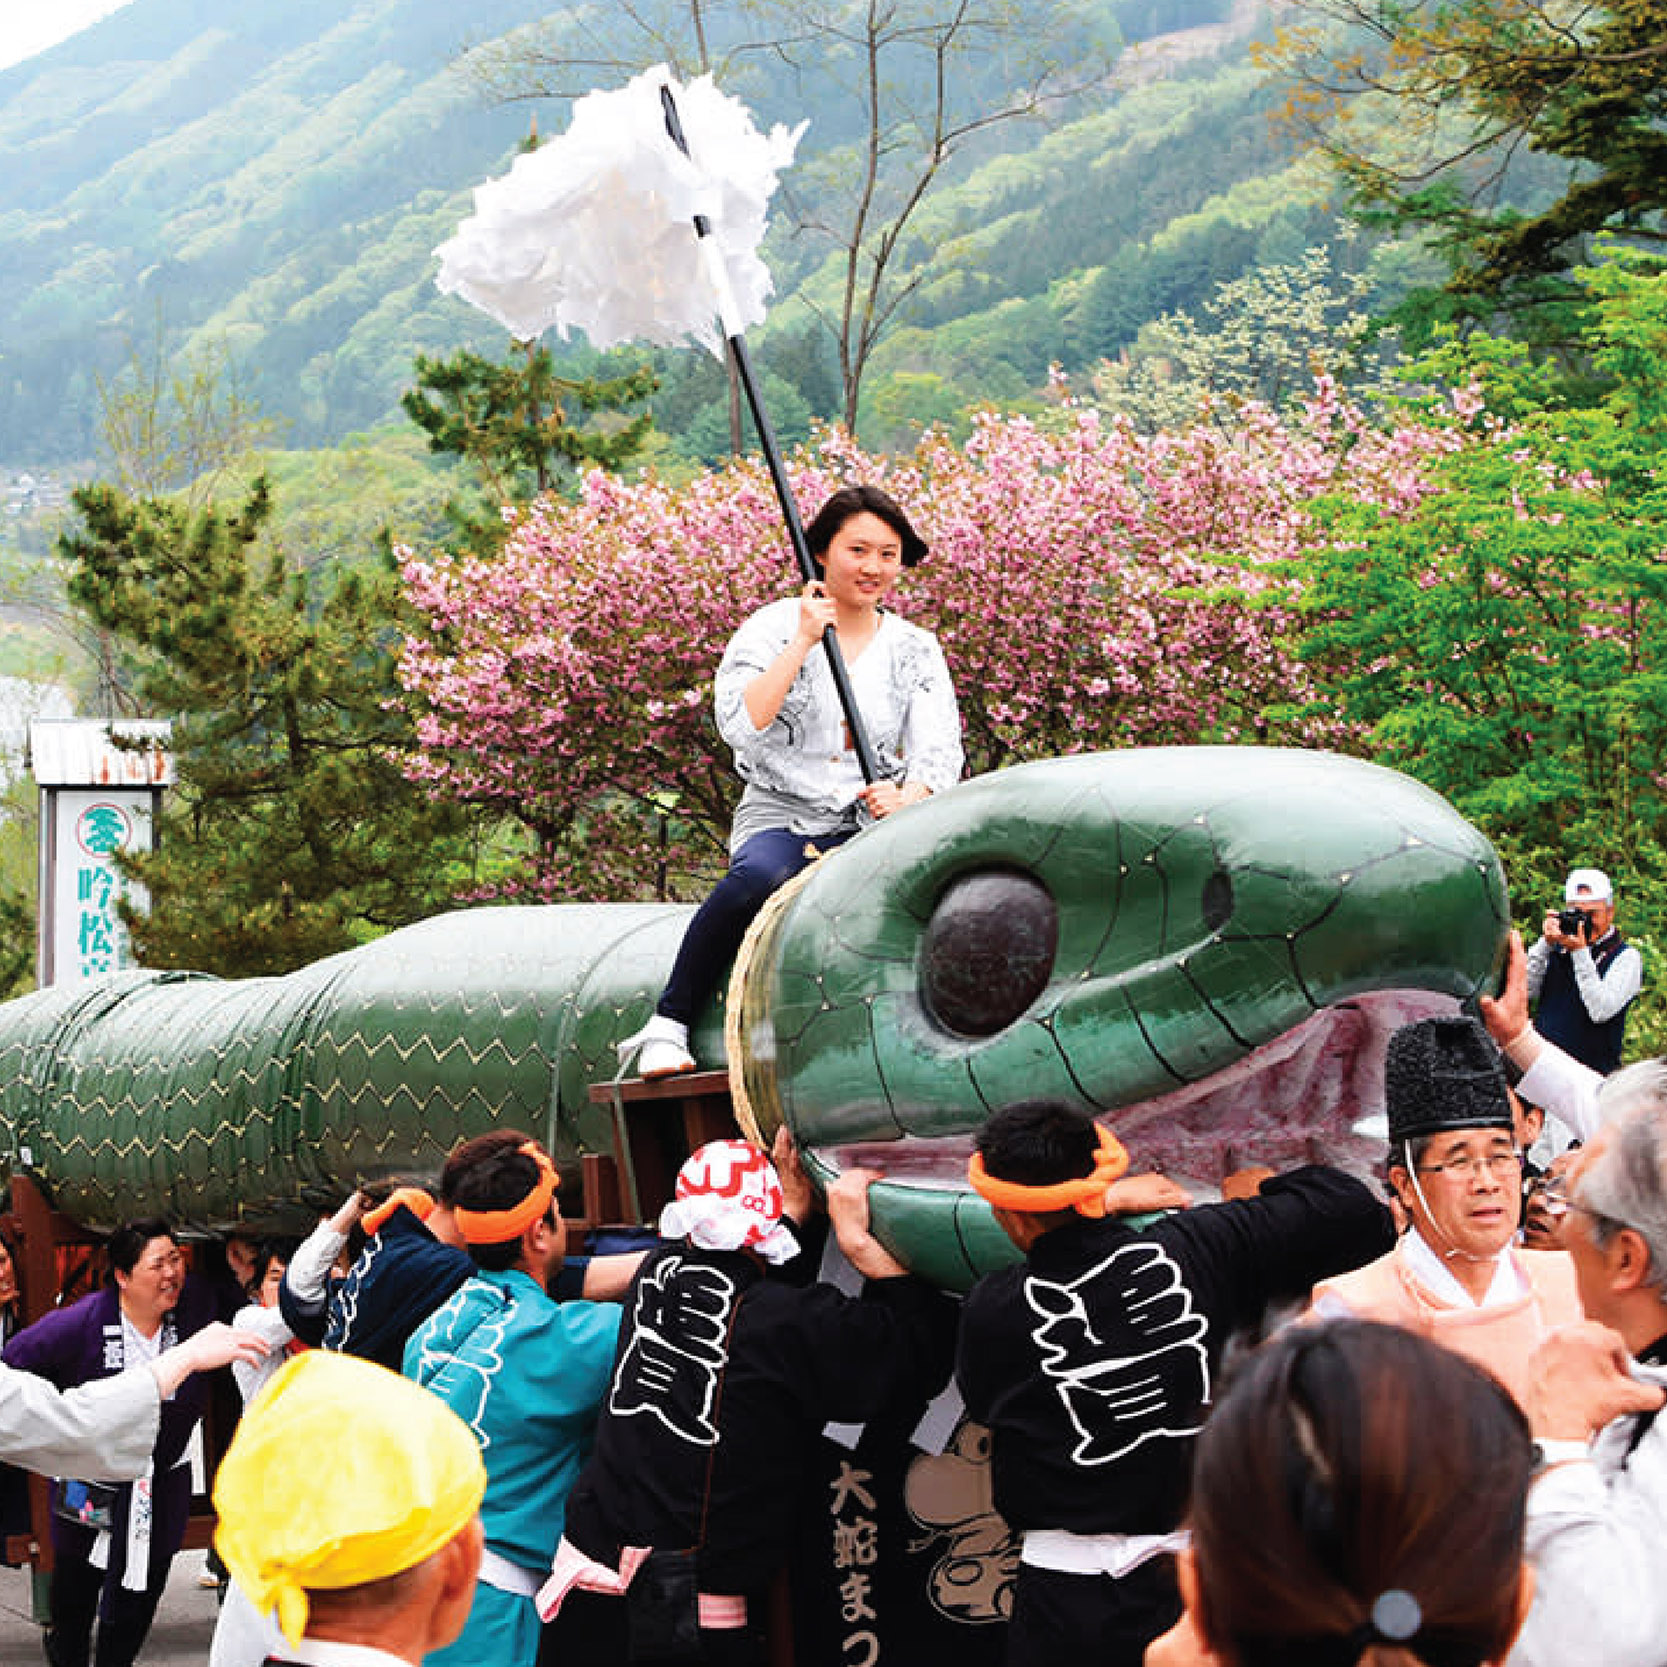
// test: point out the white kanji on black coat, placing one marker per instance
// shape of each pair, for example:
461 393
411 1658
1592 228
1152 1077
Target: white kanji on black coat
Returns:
1150 1379
679 1346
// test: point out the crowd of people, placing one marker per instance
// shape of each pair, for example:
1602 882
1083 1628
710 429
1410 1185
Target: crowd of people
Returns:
104 1394
1273 1428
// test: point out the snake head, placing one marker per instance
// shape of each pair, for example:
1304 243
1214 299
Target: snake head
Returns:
1207 947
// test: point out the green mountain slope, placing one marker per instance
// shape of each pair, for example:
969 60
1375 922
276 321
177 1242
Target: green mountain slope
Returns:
1060 252
274 182
167 168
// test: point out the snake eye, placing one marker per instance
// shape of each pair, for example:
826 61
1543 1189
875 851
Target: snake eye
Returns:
988 950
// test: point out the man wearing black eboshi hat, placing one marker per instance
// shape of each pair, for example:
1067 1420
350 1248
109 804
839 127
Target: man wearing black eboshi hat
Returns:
1457 1275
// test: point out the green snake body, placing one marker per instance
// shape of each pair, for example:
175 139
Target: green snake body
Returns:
1205 946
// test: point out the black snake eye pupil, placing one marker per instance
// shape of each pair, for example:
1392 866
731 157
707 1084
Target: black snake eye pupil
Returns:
988 950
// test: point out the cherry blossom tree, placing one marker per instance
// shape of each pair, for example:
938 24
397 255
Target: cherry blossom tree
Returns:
1092 587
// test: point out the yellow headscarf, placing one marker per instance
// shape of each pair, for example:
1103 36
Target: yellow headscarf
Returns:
341 1472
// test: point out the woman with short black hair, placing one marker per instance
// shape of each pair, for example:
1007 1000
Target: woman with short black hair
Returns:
112 1547
778 709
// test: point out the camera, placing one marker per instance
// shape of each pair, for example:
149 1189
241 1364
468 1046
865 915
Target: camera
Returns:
1573 923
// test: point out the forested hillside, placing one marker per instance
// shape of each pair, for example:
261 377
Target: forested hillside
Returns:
273 185
277 177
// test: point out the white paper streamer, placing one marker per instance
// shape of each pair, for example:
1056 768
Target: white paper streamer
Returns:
595 230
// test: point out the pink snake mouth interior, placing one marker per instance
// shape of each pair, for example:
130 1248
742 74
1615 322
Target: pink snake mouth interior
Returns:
1313 1095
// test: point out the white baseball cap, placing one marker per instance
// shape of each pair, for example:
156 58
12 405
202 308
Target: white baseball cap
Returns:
1593 881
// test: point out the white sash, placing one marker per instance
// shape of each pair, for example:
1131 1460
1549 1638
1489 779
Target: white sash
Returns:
141 1497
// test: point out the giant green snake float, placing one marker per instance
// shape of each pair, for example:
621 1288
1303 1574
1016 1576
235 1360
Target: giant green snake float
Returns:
1206 947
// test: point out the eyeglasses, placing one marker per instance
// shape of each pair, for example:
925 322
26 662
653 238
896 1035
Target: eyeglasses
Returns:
1552 1192
1570 1204
1494 1163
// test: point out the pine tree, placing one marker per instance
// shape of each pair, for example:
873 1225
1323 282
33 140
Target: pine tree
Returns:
510 422
292 832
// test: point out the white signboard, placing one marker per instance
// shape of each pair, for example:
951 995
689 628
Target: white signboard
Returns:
89 826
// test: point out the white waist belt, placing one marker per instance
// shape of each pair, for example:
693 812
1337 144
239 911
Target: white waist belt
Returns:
1114 1554
507 1576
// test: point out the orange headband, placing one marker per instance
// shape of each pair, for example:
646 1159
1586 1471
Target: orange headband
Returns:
414 1199
500 1226
1086 1196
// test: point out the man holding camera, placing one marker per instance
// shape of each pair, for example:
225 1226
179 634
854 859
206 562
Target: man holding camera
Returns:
1584 974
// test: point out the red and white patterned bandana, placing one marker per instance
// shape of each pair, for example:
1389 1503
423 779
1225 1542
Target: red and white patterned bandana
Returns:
729 1198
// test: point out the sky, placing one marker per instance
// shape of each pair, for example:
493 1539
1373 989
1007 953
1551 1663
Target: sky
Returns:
30 26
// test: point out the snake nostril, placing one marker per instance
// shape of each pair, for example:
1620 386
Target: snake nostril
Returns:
1217 903
988 950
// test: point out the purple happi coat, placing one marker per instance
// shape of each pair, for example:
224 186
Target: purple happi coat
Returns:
81 1343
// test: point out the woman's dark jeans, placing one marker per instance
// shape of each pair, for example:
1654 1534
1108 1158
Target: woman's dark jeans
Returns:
767 861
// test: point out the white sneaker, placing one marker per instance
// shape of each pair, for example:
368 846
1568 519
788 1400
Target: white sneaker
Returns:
661 1047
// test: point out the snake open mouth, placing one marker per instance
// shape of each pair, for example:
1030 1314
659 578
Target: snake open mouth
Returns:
1313 1095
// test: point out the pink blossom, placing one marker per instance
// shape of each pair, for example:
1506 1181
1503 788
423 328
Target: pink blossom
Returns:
1091 587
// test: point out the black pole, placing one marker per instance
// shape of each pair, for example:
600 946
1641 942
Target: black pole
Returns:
860 744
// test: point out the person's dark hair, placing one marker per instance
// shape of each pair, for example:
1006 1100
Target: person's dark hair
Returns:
1407 1155
1038 1143
491 1172
851 501
267 1251
384 1187
468 1157
1358 1496
127 1244
377 1192
14 1250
